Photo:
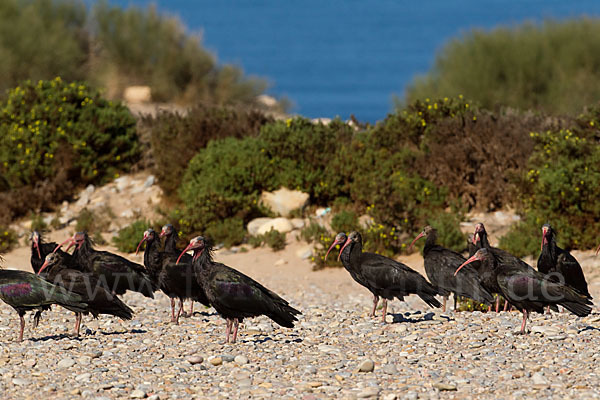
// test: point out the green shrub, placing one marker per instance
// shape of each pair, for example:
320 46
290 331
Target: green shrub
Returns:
37 223
8 239
550 66
344 221
53 125
115 48
41 39
274 239
176 138
94 222
447 225
128 238
523 239
230 231
561 187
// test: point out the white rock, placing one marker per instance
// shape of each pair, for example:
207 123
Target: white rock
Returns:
65 363
138 394
539 379
304 252
127 214
255 224
83 377
297 223
365 221
241 360
280 262
137 94
366 366
20 382
282 225
90 189
283 201
122 183
84 199
149 181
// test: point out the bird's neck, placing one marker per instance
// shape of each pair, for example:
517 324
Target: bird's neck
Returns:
171 243
152 256
430 242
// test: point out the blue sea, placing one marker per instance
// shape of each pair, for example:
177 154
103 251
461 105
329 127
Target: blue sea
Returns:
342 57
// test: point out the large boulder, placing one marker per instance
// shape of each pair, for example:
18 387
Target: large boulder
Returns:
281 225
255 224
283 201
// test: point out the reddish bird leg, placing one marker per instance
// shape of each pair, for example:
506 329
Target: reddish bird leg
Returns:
498 304
77 323
445 298
191 313
375 302
236 324
22 328
524 322
173 319
505 305
384 310
228 331
180 311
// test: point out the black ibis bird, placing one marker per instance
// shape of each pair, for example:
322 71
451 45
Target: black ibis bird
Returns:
171 252
118 273
559 264
176 281
440 264
480 240
40 249
93 292
385 277
234 295
25 291
527 289
340 239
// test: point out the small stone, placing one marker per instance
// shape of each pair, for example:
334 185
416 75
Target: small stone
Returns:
75 392
216 361
149 181
389 396
29 363
65 363
20 382
195 360
305 252
444 387
241 360
557 337
127 214
280 262
539 379
138 394
227 357
390 369
368 392
83 377
366 366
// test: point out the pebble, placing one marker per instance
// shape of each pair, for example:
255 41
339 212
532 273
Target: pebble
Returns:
138 394
366 366
216 361
20 382
65 363
444 386
83 377
241 360
195 360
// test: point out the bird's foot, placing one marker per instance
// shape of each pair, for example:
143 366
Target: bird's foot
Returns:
174 321
187 315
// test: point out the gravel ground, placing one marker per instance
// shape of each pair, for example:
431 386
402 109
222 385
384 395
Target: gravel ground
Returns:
335 351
